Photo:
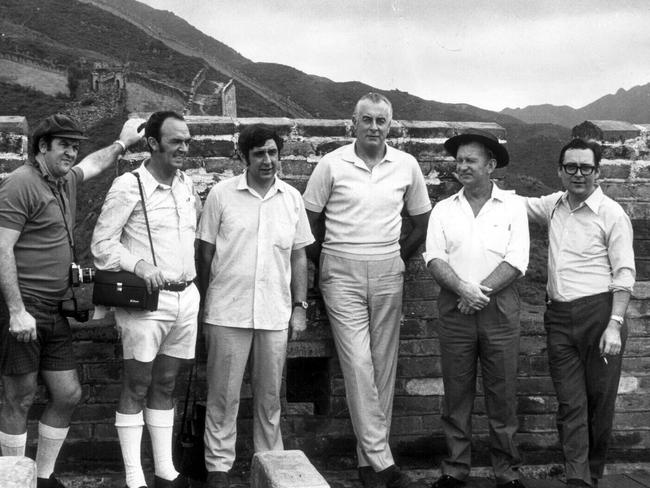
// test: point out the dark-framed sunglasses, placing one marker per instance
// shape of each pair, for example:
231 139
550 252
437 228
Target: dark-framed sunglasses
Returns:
572 169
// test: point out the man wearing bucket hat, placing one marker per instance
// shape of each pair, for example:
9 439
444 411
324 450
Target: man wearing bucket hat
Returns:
477 245
37 215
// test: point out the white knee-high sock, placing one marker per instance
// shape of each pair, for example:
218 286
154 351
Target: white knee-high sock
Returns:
13 444
50 440
129 431
161 426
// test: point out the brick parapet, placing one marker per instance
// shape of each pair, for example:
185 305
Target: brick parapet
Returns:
320 426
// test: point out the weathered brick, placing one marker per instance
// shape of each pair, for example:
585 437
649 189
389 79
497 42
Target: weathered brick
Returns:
419 347
323 128
424 386
295 167
211 148
420 367
425 151
14 124
415 405
7 165
12 143
303 149
641 169
617 169
201 126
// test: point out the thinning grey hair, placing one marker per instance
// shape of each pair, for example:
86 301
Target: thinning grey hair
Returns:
373 97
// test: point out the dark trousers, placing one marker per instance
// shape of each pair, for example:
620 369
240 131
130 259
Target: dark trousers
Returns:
491 335
585 384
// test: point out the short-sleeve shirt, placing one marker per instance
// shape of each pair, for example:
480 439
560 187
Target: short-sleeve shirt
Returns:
254 236
474 246
32 203
362 206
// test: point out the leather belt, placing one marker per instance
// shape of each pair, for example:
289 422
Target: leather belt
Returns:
177 285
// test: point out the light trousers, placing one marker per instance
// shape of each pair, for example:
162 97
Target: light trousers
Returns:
363 299
228 352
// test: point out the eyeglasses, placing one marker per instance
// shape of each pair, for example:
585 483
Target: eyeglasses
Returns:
572 169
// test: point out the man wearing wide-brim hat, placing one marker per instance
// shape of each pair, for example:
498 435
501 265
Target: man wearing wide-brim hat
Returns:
477 246
37 215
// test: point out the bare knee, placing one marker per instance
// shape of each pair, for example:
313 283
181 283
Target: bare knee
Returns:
136 386
66 398
164 383
19 394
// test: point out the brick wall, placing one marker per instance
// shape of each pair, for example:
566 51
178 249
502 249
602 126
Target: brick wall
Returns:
316 419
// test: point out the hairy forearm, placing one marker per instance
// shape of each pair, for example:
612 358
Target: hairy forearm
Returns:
299 275
445 275
9 281
501 277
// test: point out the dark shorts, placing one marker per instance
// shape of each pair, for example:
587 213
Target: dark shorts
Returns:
52 349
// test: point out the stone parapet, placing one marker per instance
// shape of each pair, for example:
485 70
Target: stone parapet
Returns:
315 417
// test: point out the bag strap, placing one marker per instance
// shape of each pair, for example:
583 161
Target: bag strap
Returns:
187 400
146 218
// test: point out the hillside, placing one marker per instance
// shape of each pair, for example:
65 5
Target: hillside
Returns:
631 105
50 30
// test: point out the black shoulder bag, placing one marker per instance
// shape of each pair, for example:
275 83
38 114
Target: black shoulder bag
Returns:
123 288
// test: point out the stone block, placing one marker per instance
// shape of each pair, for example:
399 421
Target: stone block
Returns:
284 469
207 125
323 128
7 165
424 129
17 472
641 169
425 386
419 347
617 169
424 150
642 269
14 124
296 167
304 149
12 143
210 148
642 248
282 125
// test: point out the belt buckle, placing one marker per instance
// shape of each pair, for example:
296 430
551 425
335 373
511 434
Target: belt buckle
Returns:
176 286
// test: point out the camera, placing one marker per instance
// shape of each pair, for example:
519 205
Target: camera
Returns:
69 308
80 275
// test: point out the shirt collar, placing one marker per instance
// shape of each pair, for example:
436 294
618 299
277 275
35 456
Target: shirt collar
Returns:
496 194
350 155
150 184
46 174
593 201
278 185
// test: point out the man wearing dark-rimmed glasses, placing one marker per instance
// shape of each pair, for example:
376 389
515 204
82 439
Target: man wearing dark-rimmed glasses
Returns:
590 277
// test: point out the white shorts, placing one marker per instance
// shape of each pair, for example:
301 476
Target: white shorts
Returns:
171 330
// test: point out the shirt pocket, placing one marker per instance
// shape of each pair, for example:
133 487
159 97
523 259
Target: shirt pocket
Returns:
496 238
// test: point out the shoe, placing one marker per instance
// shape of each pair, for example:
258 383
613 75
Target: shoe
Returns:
576 482
511 484
369 478
180 482
392 477
50 482
217 479
446 481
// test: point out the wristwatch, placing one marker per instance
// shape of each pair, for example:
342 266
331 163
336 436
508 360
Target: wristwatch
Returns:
617 318
301 304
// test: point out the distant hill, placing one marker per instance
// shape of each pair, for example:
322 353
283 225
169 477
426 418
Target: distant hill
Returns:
631 105
74 34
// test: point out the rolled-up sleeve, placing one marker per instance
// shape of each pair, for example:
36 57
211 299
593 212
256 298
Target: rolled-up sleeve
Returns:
106 246
621 254
436 244
518 249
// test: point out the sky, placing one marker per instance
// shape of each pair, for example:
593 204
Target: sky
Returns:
488 53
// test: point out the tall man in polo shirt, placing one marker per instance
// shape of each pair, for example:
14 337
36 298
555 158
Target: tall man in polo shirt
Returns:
477 245
37 215
360 190
590 277
154 344
253 271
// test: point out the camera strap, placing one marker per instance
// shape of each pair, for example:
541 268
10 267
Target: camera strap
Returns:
146 218
58 196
